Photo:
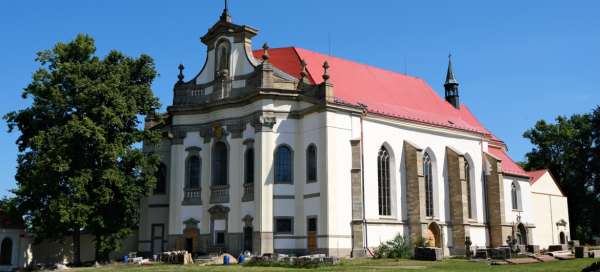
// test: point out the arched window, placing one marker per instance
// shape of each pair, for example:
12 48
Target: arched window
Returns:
161 180
484 181
193 172
383 178
219 174
469 191
283 165
6 252
428 175
249 166
311 163
514 196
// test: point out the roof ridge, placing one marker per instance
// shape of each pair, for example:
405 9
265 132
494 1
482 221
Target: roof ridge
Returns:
358 63
312 79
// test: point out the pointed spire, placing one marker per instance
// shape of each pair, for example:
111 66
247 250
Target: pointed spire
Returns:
225 17
325 71
450 74
265 55
451 86
180 76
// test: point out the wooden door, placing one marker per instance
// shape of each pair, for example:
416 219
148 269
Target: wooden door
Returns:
311 235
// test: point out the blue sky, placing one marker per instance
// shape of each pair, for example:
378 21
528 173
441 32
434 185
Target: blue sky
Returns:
517 61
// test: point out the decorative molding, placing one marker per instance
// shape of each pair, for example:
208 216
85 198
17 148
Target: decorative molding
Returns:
247 220
217 210
191 223
307 196
193 149
178 136
248 142
263 123
236 130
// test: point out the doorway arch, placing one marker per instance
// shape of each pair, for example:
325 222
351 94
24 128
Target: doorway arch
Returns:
433 235
521 234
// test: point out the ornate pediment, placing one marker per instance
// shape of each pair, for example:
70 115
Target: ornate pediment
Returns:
218 210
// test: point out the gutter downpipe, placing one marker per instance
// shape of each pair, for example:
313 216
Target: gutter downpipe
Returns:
362 181
485 195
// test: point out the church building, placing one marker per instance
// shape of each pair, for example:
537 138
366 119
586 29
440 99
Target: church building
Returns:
286 150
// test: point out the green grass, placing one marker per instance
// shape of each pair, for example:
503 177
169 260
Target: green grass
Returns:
370 265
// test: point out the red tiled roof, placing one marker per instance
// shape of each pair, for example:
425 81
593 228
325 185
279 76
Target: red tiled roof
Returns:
384 92
509 166
536 175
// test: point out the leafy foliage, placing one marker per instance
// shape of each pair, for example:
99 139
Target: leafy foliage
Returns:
397 248
78 167
570 149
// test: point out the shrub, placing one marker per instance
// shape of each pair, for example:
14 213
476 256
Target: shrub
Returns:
397 248
592 268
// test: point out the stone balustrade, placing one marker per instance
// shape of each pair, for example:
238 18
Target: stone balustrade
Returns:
192 196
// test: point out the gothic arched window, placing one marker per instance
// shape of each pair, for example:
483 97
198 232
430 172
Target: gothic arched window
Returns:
428 176
383 182
161 179
469 189
219 158
249 166
6 252
311 163
514 193
283 165
193 172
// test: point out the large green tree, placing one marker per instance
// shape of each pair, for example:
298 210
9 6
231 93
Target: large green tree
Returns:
570 149
78 165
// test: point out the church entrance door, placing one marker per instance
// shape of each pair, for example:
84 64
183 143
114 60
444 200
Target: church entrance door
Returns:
248 238
311 235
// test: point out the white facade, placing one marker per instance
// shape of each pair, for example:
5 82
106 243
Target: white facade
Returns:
552 225
249 104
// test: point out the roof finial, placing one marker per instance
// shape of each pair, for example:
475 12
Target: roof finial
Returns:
265 55
303 72
225 17
325 71
180 76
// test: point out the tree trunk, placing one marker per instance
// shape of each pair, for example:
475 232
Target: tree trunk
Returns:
76 247
97 249
102 255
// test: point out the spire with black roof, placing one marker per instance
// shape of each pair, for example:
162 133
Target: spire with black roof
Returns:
451 86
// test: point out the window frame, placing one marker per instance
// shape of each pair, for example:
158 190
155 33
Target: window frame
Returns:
215 164
428 179
278 232
384 184
314 163
162 169
276 165
515 192
249 171
188 183
467 171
